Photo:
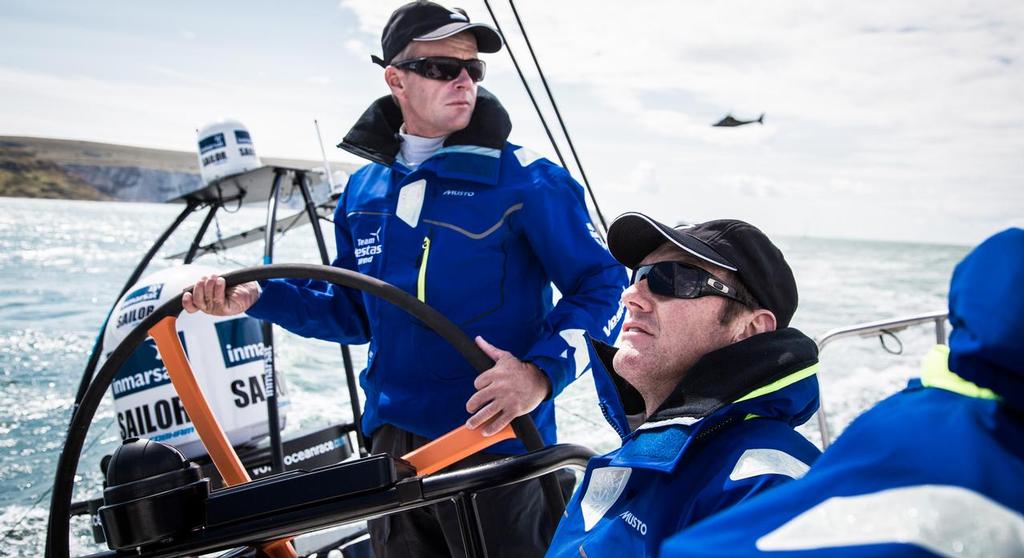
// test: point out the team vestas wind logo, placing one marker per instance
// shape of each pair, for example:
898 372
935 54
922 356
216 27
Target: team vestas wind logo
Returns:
368 247
241 341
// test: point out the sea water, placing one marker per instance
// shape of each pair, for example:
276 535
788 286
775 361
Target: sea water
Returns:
63 263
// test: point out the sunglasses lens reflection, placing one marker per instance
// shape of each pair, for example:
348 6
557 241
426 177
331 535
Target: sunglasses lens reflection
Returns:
447 69
670 279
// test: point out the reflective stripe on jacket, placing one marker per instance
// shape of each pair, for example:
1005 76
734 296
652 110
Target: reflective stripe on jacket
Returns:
935 470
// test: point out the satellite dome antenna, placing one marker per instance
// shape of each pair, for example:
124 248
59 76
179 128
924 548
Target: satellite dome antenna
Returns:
225 148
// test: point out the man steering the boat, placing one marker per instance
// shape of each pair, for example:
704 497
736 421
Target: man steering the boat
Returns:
476 227
705 388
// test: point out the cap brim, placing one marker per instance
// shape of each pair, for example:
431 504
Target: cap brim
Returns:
487 39
633 236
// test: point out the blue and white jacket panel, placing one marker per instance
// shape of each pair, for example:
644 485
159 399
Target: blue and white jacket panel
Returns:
935 470
712 445
480 234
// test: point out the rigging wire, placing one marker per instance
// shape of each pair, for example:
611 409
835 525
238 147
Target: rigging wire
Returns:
526 85
558 113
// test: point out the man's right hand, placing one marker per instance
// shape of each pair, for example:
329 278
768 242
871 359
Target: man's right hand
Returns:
210 296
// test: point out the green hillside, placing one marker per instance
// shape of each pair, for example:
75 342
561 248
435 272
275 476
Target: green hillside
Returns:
83 170
24 175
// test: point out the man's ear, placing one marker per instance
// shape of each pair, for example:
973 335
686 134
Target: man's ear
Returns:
756 322
394 80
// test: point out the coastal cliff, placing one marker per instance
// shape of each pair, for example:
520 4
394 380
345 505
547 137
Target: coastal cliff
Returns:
81 170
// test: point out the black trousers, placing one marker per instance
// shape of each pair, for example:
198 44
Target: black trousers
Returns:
513 518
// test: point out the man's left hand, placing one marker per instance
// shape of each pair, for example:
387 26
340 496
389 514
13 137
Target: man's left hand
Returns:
509 389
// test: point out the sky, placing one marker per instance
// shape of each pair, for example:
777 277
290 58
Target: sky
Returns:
892 120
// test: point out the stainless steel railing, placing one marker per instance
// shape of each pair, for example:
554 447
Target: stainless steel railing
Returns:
871 329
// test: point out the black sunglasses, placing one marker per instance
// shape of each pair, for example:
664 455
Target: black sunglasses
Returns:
444 68
679 280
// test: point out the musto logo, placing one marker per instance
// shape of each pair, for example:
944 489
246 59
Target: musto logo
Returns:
241 341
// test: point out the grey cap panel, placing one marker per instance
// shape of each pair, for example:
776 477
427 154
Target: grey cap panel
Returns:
487 38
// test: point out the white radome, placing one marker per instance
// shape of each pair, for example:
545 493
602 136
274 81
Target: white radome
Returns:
225 148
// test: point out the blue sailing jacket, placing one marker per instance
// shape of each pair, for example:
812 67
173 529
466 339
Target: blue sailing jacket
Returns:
725 434
935 470
480 231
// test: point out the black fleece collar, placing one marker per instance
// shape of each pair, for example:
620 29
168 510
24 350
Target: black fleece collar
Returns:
723 376
375 135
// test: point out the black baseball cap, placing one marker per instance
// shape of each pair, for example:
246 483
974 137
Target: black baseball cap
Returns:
427 21
727 243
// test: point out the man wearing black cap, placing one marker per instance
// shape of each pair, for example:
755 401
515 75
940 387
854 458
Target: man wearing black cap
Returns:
932 471
705 388
476 227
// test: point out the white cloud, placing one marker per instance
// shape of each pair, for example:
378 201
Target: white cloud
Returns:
356 47
882 119
848 185
88 108
372 14
643 178
750 186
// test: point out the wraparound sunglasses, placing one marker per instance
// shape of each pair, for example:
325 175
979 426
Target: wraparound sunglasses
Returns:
679 280
444 68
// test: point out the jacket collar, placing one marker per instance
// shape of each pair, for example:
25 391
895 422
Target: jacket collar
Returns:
769 375
935 373
472 153
732 374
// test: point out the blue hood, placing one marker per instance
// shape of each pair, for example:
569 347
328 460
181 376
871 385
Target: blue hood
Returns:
986 308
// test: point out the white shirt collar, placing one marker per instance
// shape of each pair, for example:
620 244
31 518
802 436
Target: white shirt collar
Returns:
416 149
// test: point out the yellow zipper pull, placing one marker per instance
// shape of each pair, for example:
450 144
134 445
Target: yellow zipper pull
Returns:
421 282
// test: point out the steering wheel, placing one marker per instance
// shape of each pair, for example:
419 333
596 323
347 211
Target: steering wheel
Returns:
58 526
